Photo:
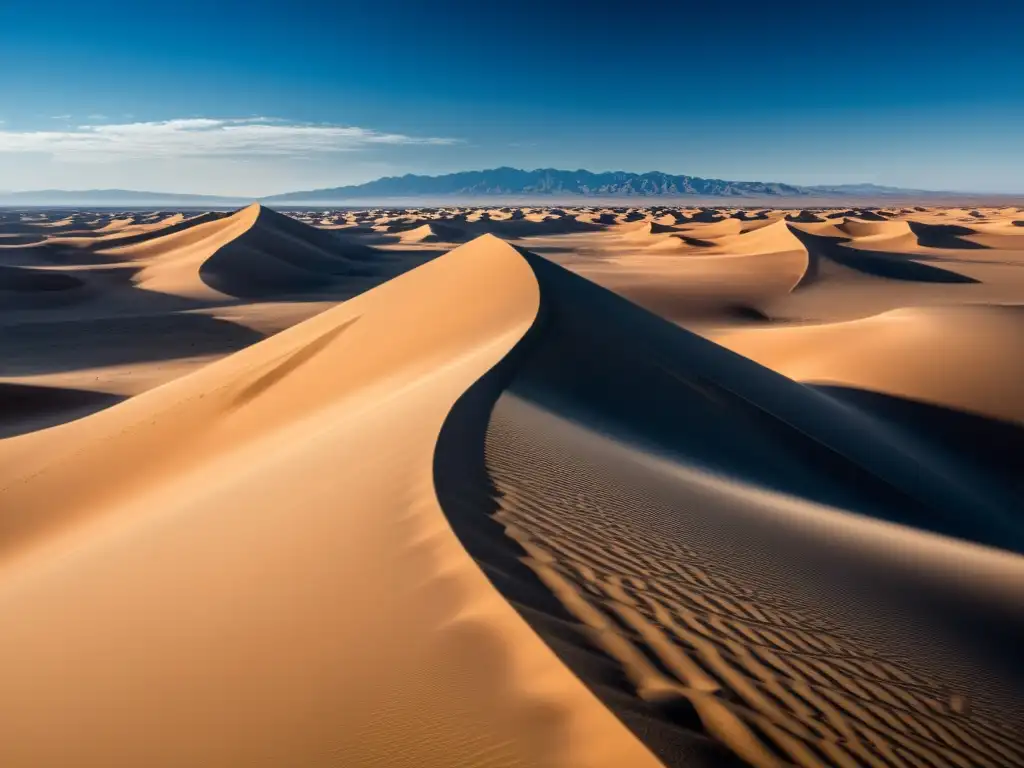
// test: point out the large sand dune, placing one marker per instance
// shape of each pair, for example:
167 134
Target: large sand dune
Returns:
332 489
249 565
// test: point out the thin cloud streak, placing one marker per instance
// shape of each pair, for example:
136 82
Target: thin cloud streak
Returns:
203 137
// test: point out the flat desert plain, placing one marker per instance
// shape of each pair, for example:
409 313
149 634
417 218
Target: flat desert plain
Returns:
512 487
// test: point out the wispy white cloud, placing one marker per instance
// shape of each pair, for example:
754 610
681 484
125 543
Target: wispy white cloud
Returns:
202 137
61 117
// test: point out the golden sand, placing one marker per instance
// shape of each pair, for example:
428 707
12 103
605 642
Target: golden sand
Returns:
512 487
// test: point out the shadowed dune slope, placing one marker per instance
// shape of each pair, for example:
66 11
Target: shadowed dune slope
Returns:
957 357
683 278
253 253
489 513
731 560
103 239
24 287
277 254
24 408
260 543
890 265
433 232
852 253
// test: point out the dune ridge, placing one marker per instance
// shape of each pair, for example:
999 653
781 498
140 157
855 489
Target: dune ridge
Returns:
484 511
325 589
613 501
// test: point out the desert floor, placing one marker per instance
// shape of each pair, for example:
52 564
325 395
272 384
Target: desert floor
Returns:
512 487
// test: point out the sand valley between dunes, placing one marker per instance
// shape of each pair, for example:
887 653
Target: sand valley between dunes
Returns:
503 487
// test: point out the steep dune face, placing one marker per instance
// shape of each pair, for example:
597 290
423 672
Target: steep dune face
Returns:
260 542
253 253
433 233
277 255
683 276
119 305
725 538
859 228
950 356
709 229
120 241
645 231
851 278
865 254
938 378
489 513
757 238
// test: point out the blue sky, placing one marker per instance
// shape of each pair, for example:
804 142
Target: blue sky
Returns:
255 98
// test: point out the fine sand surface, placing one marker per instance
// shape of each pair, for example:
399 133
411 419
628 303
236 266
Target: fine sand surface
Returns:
512 487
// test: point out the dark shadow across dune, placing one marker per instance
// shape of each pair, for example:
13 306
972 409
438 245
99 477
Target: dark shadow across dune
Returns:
68 345
27 280
894 266
992 450
26 408
279 257
469 499
514 229
620 445
943 236
804 217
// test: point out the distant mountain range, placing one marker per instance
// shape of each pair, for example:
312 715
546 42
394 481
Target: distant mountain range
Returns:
509 183
544 182
551 182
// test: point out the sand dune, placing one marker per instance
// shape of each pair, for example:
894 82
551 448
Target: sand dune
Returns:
302 654
116 310
683 276
255 252
598 451
326 489
26 408
432 233
24 286
860 228
950 356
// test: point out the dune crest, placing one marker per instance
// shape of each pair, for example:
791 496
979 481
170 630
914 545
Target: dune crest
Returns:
950 356
697 516
325 488
277 623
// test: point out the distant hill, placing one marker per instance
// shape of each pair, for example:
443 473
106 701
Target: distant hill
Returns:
868 190
113 198
547 182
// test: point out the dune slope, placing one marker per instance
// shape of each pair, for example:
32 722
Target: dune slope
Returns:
253 253
490 513
248 566
732 560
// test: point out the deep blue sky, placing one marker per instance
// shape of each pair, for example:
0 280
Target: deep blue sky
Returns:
921 94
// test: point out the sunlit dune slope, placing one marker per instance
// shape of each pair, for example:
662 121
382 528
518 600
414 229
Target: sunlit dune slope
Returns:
709 270
248 566
957 357
490 513
253 253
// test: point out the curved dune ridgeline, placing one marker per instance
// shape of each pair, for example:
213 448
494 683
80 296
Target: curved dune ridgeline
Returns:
737 548
627 487
260 542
